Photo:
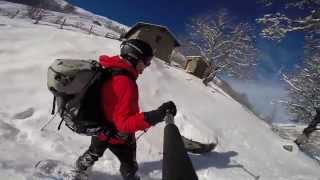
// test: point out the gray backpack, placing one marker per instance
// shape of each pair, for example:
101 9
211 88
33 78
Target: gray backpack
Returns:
76 85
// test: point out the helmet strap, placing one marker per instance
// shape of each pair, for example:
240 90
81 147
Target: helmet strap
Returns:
131 61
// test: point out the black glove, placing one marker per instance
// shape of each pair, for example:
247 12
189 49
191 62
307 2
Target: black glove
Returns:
168 107
156 116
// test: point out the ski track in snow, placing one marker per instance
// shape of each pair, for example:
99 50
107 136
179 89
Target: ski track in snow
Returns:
247 147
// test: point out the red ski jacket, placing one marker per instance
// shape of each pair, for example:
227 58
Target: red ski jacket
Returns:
120 100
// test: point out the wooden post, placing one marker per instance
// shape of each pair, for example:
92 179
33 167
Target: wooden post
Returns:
91 29
15 14
62 24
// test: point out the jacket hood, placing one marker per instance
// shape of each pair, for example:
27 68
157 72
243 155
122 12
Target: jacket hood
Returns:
118 62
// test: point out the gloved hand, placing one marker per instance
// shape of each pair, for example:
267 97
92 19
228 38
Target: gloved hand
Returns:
156 116
168 107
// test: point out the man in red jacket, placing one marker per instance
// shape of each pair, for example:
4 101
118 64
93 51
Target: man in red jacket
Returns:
119 104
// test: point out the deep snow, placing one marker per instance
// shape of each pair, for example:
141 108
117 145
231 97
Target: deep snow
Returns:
247 146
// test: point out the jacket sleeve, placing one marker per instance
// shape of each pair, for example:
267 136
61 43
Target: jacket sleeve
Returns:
126 115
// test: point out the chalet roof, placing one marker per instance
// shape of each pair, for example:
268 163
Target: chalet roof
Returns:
140 25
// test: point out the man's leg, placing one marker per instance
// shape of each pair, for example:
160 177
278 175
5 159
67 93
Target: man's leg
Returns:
126 154
94 152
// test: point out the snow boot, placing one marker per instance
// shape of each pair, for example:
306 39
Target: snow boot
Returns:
83 164
131 177
80 175
128 171
86 160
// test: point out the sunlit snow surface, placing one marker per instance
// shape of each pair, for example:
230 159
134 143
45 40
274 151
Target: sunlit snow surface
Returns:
293 131
247 146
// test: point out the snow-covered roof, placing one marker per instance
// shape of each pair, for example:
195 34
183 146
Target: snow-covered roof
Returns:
141 25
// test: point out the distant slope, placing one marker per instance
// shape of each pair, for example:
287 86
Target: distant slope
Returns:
55 11
53 5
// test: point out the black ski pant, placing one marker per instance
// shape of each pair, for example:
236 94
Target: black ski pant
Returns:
126 153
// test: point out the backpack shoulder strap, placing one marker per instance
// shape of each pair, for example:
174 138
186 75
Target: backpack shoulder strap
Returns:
109 72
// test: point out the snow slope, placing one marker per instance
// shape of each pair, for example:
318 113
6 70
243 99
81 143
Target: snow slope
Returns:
293 131
247 146
80 20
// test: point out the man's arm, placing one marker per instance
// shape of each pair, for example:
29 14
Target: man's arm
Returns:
126 115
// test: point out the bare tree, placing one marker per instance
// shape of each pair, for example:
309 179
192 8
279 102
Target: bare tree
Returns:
39 13
36 13
304 83
224 43
277 25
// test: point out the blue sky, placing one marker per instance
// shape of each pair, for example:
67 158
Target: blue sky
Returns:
175 15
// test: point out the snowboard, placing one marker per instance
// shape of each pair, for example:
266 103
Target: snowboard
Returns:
197 147
56 170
